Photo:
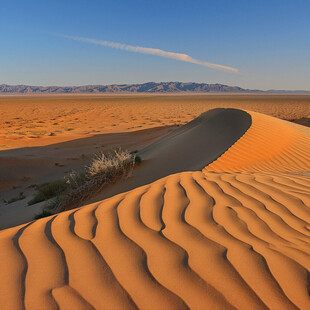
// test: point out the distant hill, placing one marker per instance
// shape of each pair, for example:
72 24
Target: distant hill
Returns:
151 87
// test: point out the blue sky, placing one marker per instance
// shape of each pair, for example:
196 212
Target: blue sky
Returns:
267 41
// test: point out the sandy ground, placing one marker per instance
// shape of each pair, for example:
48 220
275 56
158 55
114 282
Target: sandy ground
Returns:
234 235
190 147
41 133
22 171
28 121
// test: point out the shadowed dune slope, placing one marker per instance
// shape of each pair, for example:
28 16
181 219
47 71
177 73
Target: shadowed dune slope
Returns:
199 142
207 239
190 147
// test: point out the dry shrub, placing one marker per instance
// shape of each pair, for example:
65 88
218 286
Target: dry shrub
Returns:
109 165
103 169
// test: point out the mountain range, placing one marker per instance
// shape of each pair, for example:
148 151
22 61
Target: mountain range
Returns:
150 87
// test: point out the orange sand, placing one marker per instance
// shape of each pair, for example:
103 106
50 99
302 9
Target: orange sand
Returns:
28 121
43 137
270 144
235 235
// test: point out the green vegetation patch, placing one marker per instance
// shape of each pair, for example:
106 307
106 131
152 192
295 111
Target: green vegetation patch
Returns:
138 159
48 190
44 213
77 187
19 197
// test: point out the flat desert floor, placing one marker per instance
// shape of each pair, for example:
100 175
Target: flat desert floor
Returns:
28 121
215 217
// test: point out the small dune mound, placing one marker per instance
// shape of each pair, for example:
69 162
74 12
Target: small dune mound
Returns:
235 235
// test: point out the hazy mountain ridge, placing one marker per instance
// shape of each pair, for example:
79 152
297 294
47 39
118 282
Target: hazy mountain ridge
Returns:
150 87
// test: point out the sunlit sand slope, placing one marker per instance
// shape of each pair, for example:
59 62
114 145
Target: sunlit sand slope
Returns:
269 144
217 240
201 240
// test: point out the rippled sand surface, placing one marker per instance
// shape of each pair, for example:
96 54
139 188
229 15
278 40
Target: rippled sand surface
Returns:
235 235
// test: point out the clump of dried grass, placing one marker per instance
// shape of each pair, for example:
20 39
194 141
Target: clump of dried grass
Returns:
109 165
103 169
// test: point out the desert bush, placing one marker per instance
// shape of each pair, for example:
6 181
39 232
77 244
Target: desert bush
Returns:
19 197
51 189
103 169
138 159
75 180
48 190
108 165
44 213
39 197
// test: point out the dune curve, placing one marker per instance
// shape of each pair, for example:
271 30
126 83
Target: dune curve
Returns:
270 144
190 147
235 235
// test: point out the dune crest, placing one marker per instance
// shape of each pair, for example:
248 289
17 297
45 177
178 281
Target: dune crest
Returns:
270 144
235 235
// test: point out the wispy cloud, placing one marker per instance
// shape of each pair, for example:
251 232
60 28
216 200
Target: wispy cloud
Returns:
152 51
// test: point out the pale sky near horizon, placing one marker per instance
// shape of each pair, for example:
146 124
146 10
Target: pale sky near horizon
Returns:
268 42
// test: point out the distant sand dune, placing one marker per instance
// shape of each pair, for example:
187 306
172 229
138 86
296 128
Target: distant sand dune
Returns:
233 236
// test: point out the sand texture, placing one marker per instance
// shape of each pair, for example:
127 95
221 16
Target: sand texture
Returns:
270 144
235 235
44 137
187 148
28 121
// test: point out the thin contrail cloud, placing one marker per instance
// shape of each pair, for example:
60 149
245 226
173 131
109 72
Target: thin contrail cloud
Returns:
152 51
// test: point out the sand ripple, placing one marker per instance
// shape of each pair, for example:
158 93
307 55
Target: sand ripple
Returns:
270 144
226 240
234 236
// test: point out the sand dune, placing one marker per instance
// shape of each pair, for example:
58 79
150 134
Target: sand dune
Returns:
43 132
199 142
188 148
269 144
235 235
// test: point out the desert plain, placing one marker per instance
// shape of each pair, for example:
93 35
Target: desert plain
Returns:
216 216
